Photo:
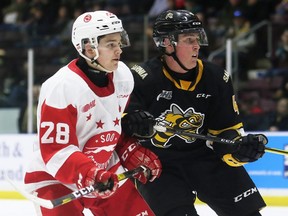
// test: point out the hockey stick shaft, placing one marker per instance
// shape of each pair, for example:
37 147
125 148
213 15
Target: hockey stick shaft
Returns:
276 151
86 190
164 129
50 204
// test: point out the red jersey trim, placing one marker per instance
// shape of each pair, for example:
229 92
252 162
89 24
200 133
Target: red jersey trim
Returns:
37 176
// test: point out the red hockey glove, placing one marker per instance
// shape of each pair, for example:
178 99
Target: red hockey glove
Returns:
133 155
138 124
106 181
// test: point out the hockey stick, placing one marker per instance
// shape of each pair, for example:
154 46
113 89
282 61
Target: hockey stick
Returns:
164 129
50 204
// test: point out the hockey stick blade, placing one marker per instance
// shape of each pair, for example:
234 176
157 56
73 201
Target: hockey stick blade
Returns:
50 204
164 129
42 202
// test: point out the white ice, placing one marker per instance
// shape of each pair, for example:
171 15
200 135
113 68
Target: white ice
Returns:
25 208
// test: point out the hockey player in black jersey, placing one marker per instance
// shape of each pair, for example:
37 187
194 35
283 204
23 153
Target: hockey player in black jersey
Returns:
186 93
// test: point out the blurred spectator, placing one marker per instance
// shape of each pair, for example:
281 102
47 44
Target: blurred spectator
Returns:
65 34
253 114
258 10
62 20
279 118
157 7
220 22
280 59
38 26
3 73
61 29
160 6
281 54
283 91
141 7
239 29
3 4
63 41
16 89
16 12
118 7
180 4
96 5
17 96
226 13
212 7
194 6
243 43
281 12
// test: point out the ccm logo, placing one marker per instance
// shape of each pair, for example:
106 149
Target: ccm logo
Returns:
245 194
83 191
128 150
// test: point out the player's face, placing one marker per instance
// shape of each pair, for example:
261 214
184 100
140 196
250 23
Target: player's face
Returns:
109 49
187 49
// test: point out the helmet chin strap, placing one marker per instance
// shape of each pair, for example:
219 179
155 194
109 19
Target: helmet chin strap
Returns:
99 66
173 54
177 60
94 62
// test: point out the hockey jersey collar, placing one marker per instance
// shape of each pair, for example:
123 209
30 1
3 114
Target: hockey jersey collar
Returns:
100 91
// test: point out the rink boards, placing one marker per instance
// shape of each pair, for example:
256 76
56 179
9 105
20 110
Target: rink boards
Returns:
270 174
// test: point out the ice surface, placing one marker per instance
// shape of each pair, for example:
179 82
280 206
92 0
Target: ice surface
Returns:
25 208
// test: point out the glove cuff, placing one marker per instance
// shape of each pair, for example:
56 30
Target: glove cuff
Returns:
127 150
231 161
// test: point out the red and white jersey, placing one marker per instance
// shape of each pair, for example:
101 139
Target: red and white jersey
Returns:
79 125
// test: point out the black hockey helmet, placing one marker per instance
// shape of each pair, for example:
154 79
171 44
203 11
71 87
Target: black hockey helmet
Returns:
171 23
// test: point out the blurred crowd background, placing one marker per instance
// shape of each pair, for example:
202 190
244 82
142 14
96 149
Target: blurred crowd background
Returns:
257 28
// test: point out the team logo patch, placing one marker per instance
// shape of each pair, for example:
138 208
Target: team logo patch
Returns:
169 16
87 18
100 147
176 118
165 94
88 106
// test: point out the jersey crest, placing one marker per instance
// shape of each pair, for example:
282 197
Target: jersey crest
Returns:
176 118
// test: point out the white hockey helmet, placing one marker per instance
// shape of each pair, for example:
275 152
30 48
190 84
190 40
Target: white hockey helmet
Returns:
90 25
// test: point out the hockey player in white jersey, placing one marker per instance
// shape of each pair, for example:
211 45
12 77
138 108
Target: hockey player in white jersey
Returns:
80 128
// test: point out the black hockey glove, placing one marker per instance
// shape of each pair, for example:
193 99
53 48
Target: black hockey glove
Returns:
250 148
139 124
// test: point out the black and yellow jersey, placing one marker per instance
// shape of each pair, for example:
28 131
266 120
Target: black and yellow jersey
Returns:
199 101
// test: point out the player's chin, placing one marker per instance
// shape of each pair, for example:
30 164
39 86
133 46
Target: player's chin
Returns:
192 64
113 66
